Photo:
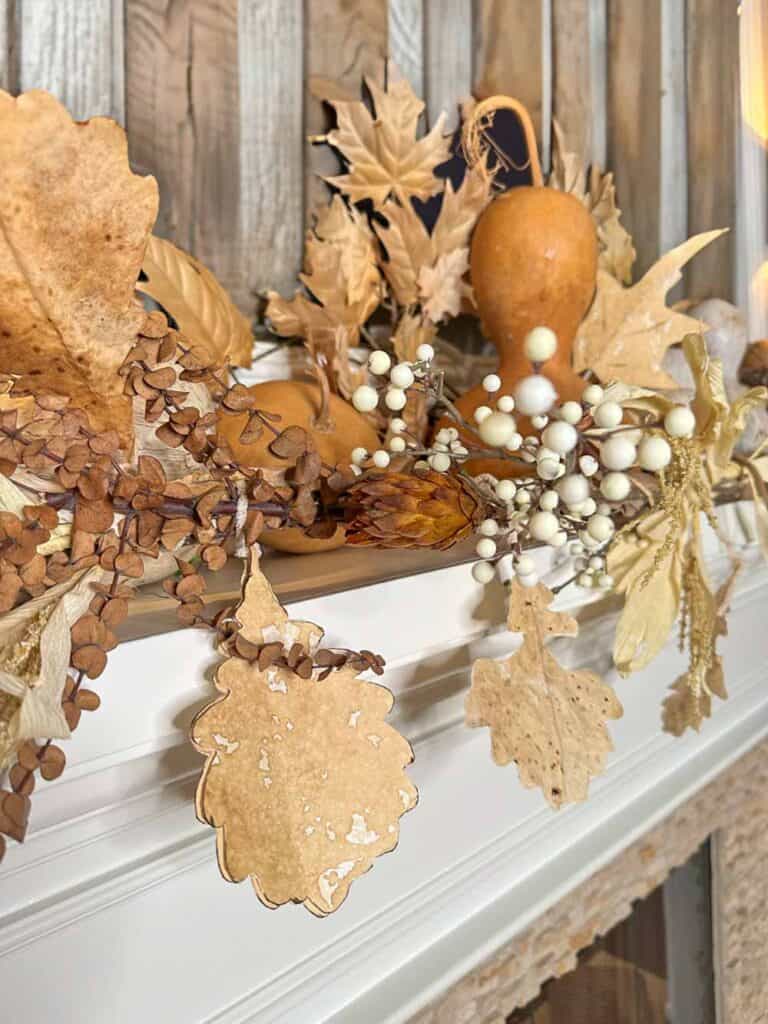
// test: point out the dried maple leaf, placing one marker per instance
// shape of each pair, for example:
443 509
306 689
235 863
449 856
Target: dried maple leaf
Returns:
690 701
304 780
340 273
199 304
74 223
548 719
616 250
384 156
628 330
416 259
569 174
442 287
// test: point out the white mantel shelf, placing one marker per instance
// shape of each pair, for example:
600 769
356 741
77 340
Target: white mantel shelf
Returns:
114 910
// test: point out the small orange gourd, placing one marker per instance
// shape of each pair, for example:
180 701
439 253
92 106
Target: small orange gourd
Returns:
336 428
533 262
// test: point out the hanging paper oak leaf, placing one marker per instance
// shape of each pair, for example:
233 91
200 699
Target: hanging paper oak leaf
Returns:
74 223
548 719
304 779
200 305
384 156
628 330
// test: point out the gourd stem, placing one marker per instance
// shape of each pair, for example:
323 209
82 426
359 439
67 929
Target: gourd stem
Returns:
481 119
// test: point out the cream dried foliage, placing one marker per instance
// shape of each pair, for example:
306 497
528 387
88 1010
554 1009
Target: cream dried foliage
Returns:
340 273
74 224
598 193
200 305
384 155
627 331
653 559
304 780
690 700
548 719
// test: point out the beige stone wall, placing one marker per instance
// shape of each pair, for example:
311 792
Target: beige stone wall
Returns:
735 806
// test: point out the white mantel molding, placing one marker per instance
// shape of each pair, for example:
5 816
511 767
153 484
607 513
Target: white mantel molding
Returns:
113 908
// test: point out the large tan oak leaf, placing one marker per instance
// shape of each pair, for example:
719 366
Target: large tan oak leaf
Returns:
74 223
548 719
304 780
627 331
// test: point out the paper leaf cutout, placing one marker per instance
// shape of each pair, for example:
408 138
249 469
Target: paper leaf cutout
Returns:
201 307
628 330
384 155
74 223
548 719
304 779
690 700
341 274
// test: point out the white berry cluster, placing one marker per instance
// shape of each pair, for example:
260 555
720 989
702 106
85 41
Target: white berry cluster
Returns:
574 466
394 394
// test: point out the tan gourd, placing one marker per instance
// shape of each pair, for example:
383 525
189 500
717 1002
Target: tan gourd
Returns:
533 261
336 428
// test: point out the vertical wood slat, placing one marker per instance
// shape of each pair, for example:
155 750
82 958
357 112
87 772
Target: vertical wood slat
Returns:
345 41
271 146
712 62
673 198
406 40
598 70
182 116
7 10
509 53
578 68
688 934
448 57
634 120
69 48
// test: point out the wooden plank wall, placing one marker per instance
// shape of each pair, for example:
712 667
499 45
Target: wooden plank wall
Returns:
216 98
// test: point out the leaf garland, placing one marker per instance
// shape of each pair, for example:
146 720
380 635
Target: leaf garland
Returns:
548 719
304 780
628 330
200 305
74 224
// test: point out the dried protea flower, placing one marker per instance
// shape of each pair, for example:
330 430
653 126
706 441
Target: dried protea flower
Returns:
403 510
